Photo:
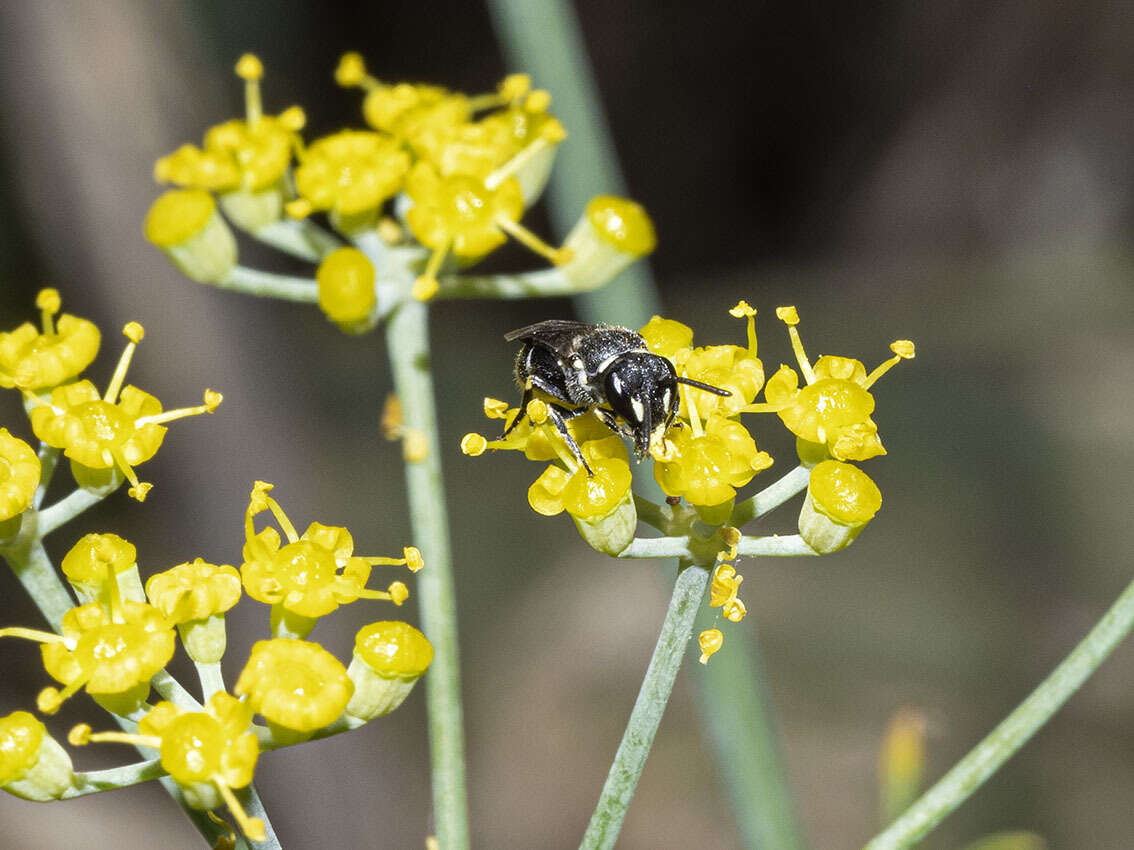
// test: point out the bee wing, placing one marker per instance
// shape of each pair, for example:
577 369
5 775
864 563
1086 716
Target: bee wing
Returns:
548 330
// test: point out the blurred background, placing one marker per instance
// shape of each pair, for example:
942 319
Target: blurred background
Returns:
957 173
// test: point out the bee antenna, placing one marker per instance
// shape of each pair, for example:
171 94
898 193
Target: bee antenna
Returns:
709 388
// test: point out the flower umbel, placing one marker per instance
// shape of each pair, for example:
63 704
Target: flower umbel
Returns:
108 435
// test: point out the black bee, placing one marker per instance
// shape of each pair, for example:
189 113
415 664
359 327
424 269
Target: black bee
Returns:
590 366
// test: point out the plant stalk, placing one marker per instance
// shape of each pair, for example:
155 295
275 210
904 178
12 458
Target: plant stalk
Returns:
606 822
407 340
1013 732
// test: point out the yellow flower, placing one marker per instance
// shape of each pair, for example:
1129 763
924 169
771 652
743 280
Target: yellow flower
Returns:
581 495
707 463
667 337
103 568
389 657
346 288
184 224
19 476
32 764
194 591
34 360
208 753
250 154
112 433
301 579
841 499
113 656
610 235
404 110
600 503
834 407
729 367
195 597
462 214
296 685
350 174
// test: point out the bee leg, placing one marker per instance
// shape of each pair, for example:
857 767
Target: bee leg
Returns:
610 420
527 397
559 416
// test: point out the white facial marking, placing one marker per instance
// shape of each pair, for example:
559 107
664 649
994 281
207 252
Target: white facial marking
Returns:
578 364
639 410
604 364
665 399
616 383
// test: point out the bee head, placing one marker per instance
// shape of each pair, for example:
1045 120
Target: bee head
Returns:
641 389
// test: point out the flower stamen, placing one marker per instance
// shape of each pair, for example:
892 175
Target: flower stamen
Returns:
903 350
134 332
556 256
790 317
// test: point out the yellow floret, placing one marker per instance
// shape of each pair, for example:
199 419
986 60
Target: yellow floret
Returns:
19 475
296 685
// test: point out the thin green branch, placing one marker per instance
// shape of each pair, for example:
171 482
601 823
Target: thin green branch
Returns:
658 547
606 822
270 285
67 508
703 550
301 238
544 283
174 691
770 497
407 341
211 677
651 513
33 567
48 458
788 546
94 781
1013 732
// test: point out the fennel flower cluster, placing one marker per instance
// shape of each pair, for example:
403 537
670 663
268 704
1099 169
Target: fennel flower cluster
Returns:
435 181
116 642
710 453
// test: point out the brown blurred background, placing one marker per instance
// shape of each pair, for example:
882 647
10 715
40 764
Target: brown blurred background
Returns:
957 173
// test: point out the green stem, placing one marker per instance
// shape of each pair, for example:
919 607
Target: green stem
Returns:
407 339
787 546
94 781
48 458
702 550
606 822
732 696
212 679
1013 732
270 285
32 566
67 509
536 284
301 238
545 40
770 497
